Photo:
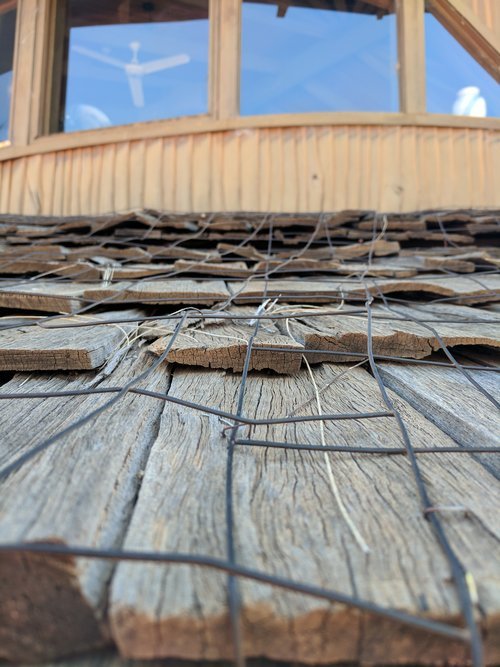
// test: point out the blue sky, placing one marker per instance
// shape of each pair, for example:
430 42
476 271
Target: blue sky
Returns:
450 68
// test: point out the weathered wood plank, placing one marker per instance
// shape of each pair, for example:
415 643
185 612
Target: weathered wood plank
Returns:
401 337
224 345
55 297
288 522
30 348
448 399
80 491
462 289
179 291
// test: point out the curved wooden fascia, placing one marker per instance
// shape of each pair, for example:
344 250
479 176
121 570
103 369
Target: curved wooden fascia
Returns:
205 124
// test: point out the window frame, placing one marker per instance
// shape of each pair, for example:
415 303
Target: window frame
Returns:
36 30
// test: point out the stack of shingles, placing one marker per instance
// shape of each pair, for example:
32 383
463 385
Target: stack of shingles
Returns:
145 244
83 490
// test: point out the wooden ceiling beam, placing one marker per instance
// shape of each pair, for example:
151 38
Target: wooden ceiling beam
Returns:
461 22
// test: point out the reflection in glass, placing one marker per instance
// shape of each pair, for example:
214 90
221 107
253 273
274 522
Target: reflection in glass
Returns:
7 34
456 83
318 55
133 61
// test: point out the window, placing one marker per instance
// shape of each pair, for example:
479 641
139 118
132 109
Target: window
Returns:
318 55
133 61
7 34
456 83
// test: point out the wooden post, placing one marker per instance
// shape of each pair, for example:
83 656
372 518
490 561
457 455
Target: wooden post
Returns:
411 50
30 70
224 80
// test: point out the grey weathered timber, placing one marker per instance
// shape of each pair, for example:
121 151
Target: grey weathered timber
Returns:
287 521
29 348
224 345
395 332
80 491
181 291
463 289
449 400
55 297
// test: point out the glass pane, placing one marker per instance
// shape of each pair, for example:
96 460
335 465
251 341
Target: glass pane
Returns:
456 83
7 35
129 62
318 55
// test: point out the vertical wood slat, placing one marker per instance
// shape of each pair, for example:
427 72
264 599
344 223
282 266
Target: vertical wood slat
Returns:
136 169
17 191
224 77
169 174
47 183
76 175
249 169
106 187
183 160
200 171
153 172
32 200
96 179
411 53
121 177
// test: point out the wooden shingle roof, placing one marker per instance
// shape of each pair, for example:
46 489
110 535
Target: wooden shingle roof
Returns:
245 436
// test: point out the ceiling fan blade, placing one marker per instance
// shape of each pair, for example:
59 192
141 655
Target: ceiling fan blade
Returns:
101 57
164 63
135 83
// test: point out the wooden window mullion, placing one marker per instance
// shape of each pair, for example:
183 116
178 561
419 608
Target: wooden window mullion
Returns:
29 70
225 37
411 52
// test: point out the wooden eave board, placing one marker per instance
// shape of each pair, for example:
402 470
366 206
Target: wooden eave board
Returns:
79 491
287 522
449 400
30 348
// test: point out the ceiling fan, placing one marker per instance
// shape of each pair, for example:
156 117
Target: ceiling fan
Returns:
135 70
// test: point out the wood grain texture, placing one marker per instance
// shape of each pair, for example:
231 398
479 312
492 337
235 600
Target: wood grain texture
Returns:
224 345
161 291
460 289
404 338
288 522
45 296
317 168
411 52
470 31
449 400
487 11
80 491
29 348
